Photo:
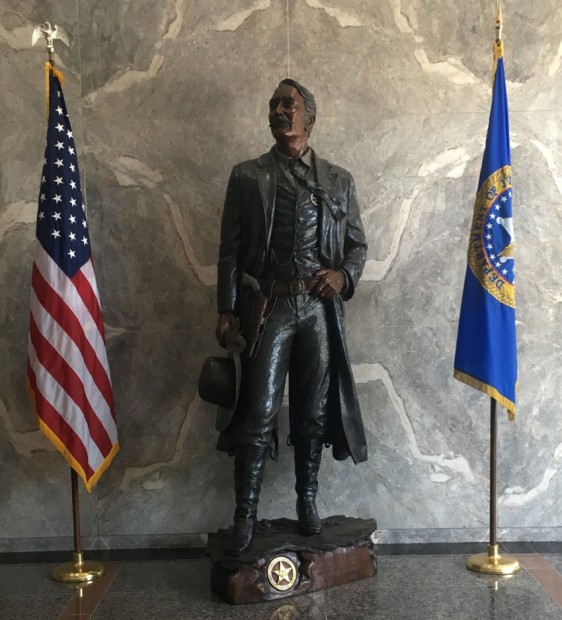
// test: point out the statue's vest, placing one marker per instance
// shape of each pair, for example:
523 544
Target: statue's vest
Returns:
294 236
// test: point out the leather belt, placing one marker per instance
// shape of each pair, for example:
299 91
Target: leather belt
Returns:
281 288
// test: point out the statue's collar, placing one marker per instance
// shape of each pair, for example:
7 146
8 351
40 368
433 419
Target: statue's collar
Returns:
287 161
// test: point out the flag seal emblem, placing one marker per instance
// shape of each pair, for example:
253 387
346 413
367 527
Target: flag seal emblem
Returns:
491 248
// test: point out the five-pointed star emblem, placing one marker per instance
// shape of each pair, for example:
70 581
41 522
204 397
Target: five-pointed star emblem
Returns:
282 573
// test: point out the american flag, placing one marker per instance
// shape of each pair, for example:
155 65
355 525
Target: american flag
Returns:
67 368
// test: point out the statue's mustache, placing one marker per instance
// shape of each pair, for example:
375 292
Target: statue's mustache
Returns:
279 119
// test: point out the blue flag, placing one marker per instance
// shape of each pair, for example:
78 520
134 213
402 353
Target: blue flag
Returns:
486 355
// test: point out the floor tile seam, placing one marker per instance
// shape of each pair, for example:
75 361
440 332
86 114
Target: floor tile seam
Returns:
550 566
475 585
44 594
100 593
537 558
31 563
539 574
555 595
22 602
427 555
381 553
544 569
155 592
145 560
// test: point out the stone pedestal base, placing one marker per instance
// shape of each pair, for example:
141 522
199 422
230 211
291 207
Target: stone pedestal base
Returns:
283 563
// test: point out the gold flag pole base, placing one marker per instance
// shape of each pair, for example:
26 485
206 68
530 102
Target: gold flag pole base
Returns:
492 563
78 571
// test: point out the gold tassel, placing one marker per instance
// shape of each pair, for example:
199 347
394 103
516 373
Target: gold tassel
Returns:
498 53
48 68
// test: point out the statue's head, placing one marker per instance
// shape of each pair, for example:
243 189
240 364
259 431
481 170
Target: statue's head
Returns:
292 110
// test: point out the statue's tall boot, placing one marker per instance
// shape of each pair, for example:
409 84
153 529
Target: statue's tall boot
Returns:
308 455
249 464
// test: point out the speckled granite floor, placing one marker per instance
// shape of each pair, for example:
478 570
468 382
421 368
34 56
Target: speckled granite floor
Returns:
415 582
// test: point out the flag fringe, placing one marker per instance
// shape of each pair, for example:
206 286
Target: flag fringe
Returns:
61 447
487 389
101 469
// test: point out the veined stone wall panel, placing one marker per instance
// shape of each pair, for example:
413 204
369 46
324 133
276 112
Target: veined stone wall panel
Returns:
164 98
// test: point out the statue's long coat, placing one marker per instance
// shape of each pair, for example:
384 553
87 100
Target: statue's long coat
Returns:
245 235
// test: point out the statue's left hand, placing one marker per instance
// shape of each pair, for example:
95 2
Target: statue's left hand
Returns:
331 284
226 321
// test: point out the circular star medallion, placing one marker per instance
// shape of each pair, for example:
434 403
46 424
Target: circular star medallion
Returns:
282 573
491 251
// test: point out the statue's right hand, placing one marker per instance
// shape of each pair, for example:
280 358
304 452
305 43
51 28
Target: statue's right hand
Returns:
227 320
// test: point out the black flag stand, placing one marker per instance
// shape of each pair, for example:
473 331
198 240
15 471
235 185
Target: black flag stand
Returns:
492 562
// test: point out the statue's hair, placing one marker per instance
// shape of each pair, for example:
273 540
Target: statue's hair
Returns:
307 96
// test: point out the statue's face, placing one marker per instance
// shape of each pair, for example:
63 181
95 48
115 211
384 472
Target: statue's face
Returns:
286 114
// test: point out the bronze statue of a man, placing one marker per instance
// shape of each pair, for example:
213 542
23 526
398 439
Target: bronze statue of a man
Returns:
291 235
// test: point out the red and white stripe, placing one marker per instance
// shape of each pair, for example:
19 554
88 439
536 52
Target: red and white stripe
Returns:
67 365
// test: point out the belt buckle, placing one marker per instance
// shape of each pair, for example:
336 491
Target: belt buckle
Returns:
296 287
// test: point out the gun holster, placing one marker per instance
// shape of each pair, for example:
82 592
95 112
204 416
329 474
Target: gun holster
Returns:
255 309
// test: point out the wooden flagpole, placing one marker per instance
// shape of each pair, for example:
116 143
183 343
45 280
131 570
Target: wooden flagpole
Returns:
492 562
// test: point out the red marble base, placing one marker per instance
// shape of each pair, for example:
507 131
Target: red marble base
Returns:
283 563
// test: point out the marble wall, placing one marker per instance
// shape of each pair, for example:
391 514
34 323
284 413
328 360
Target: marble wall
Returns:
165 97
